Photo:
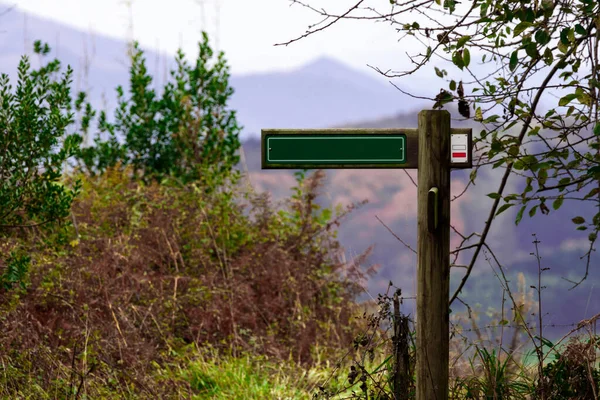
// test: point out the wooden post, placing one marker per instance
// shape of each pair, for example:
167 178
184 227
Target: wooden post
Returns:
427 149
433 258
401 382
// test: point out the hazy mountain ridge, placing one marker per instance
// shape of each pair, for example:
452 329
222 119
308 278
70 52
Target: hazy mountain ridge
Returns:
309 97
320 93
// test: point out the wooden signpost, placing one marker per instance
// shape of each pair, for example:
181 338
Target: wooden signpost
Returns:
433 148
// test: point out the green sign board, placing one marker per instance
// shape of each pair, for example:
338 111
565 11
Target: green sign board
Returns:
335 148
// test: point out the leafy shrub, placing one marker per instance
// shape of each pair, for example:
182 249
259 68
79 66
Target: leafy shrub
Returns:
186 132
33 122
574 373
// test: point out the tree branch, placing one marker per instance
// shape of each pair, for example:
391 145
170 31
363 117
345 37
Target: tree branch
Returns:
509 167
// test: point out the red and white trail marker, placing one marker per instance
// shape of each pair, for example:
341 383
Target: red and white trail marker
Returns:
459 149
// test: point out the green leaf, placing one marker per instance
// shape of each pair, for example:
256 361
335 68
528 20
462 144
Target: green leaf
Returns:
578 220
514 60
450 5
452 85
466 57
521 27
461 42
529 187
503 208
592 193
519 215
439 72
548 56
563 182
529 160
493 195
542 176
567 99
563 48
597 129
542 37
580 30
458 60
532 211
491 119
564 35
510 125
498 163
534 131
558 202
518 165
583 97
594 171
531 50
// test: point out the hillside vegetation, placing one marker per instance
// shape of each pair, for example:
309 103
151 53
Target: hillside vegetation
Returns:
146 273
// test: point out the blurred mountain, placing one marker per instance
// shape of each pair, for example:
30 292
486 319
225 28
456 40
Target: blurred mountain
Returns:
321 93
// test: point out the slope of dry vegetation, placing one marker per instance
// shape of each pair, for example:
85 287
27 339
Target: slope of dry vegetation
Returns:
145 272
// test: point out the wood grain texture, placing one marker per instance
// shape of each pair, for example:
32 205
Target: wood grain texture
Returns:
433 258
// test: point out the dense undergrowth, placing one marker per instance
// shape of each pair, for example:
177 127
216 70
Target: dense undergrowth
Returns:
126 275
144 273
165 291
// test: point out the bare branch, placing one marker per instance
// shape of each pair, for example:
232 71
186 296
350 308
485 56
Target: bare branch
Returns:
396 236
310 32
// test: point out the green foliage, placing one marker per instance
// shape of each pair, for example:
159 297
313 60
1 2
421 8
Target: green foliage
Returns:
303 209
35 146
561 167
15 270
217 376
574 373
185 132
538 51
34 119
497 381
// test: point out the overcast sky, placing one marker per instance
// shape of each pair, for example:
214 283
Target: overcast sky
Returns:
245 30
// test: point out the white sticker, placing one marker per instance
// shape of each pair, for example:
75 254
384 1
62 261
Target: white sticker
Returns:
458 149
